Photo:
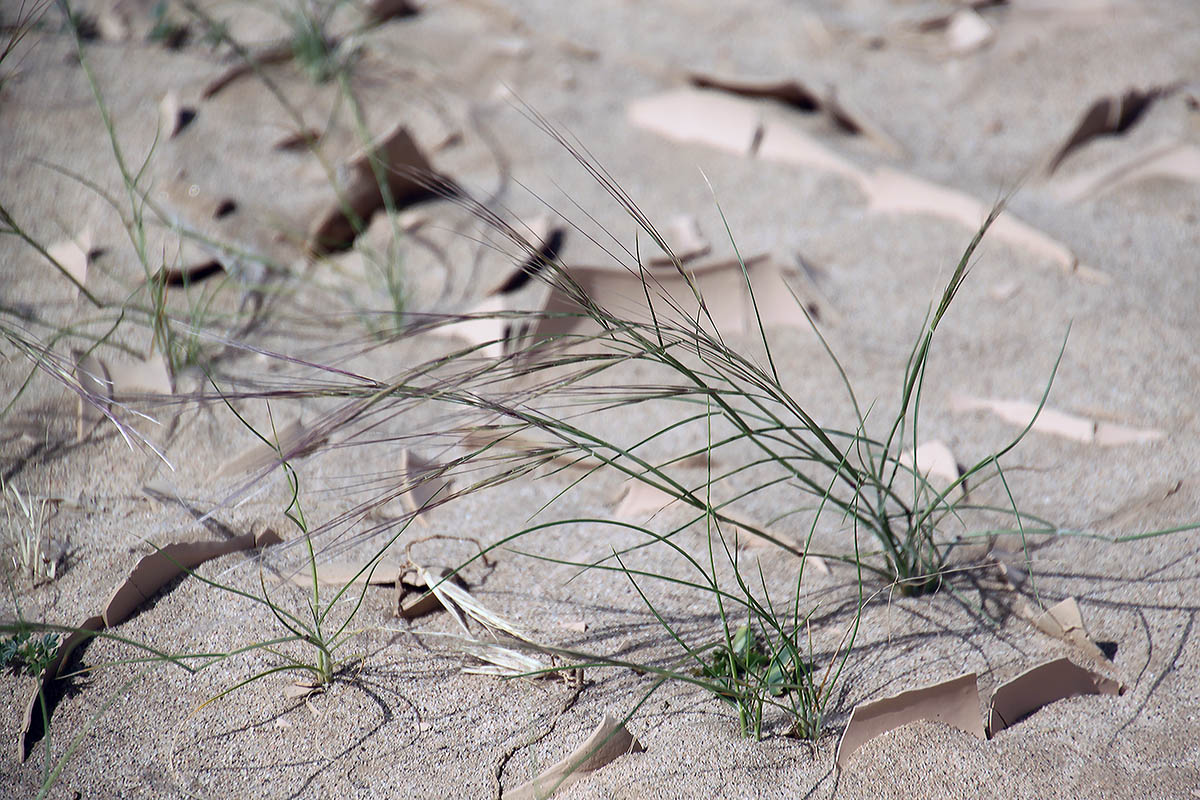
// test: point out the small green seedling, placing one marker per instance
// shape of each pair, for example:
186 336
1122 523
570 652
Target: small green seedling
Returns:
24 652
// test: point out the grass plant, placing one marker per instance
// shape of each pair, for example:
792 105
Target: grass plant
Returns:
33 553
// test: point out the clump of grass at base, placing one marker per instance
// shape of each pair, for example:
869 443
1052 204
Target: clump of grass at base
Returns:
32 552
312 48
849 476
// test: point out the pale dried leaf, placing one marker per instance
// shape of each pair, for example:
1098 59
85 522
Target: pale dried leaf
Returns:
1169 160
345 573
144 376
608 742
94 380
73 255
1059 423
146 578
112 23
159 568
818 563
954 702
541 239
967 32
413 597
682 234
498 659
1004 291
173 115
704 117
790 145
722 285
1064 621
436 580
482 326
421 479
892 192
191 273
638 500
252 60
301 689
293 439
796 94
455 598
297 140
1042 685
936 464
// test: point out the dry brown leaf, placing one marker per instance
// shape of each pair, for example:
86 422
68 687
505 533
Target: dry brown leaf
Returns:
294 441
543 238
271 54
954 702
74 255
413 596
194 273
298 140
1109 116
705 117
850 118
1064 621
796 94
1169 160
406 171
788 91
159 568
1040 686
149 575
682 234
377 11
892 192
1058 423
608 742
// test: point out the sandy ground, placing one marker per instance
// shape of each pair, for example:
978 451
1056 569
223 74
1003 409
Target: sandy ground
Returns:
463 76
